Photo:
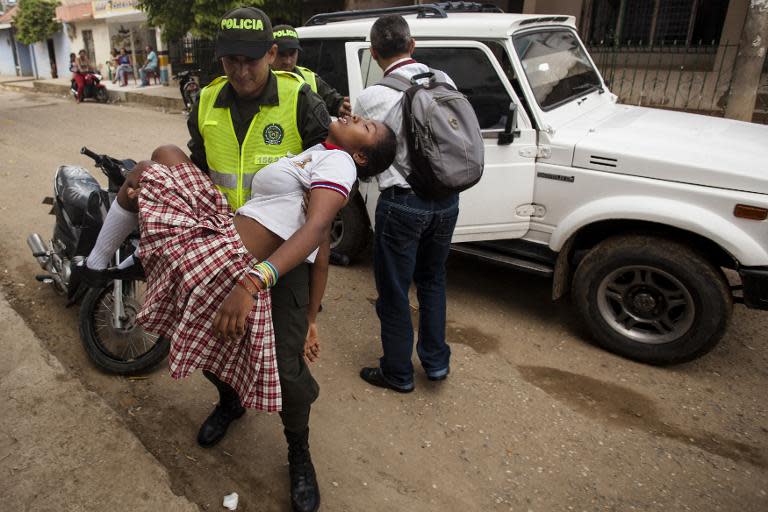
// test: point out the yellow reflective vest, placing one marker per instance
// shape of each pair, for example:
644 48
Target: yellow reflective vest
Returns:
272 134
310 77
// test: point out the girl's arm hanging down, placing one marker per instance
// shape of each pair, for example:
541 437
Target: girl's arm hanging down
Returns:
318 278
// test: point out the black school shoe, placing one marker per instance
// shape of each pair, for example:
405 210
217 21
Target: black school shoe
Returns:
214 428
375 377
305 493
82 275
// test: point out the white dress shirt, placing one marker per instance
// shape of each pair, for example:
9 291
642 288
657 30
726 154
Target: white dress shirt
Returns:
383 104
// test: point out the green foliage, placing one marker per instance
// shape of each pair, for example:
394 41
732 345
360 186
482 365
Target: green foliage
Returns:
36 20
201 17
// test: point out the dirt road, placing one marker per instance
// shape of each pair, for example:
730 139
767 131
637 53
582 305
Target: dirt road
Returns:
533 417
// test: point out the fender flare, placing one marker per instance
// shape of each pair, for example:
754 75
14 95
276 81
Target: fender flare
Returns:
678 214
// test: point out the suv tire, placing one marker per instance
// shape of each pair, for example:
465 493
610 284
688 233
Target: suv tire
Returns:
651 299
350 230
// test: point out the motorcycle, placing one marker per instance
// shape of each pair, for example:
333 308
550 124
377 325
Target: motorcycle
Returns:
93 88
188 87
107 319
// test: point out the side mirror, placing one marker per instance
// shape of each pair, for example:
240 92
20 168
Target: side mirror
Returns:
507 137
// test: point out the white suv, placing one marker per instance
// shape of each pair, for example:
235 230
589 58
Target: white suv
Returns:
636 211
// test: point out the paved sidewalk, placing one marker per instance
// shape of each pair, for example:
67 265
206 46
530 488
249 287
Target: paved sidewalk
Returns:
19 80
164 96
71 453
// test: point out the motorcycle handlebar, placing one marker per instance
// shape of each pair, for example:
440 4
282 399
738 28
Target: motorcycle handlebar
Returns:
87 152
186 72
110 167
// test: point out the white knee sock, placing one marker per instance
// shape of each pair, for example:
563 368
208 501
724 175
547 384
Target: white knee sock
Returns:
117 226
127 262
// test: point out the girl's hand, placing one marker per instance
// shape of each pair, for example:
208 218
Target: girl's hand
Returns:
133 193
229 321
312 344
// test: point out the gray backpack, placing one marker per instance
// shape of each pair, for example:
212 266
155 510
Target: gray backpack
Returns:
444 141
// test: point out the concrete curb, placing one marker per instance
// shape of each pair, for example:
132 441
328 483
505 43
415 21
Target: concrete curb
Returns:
115 96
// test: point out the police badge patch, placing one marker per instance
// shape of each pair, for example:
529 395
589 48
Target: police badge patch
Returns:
273 134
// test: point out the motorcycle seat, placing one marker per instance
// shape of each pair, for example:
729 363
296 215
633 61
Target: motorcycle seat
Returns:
74 186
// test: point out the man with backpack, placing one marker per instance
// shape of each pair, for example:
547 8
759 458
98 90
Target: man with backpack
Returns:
419 202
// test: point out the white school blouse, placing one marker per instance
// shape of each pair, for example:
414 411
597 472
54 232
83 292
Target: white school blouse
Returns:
277 190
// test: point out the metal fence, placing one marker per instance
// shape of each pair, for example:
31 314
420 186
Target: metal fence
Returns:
193 53
694 78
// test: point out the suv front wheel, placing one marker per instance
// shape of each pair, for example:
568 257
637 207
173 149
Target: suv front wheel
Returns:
651 299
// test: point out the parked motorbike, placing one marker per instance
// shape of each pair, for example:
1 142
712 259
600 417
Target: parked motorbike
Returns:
108 328
188 87
93 88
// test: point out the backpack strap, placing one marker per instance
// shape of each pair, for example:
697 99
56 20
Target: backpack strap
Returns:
396 82
439 75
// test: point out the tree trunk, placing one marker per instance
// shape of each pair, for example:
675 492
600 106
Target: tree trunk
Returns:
134 64
749 63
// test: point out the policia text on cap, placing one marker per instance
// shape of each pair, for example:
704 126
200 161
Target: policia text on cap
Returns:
243 121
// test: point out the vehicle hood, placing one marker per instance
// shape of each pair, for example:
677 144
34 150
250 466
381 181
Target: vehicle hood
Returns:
677 146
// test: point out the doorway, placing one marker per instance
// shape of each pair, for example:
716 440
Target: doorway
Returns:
52 59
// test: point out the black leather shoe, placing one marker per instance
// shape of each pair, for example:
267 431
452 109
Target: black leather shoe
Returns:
131 273
305 493
214 428
81 275
375 377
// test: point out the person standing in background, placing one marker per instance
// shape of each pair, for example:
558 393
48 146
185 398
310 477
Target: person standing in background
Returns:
288 49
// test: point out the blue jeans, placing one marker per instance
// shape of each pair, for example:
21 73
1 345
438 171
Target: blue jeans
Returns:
143 74
411 244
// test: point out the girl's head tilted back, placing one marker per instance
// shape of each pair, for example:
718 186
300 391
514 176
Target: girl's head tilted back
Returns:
372 144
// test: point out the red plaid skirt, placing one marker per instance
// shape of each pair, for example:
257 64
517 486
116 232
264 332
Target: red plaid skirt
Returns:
193 257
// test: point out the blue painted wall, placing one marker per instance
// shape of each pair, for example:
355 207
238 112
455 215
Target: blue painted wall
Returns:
25 59
7 66
41 59
62 47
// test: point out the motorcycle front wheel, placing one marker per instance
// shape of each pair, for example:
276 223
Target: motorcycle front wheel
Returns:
101 95
117 344
190 94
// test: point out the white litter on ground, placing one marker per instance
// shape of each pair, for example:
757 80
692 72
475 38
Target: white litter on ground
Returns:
230 501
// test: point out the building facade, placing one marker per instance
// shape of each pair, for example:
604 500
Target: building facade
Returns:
99 26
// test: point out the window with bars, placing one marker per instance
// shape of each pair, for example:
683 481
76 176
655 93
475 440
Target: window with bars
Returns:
674 21
638 16
656 22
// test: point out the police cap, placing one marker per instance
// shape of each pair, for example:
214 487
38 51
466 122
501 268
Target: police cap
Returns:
244 31
286 37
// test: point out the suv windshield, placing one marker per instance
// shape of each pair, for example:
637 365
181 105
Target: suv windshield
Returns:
556 66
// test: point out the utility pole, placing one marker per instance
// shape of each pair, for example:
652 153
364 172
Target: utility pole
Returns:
749 63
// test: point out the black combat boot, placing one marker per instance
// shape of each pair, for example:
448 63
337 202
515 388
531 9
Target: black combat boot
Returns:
305 494
214 428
